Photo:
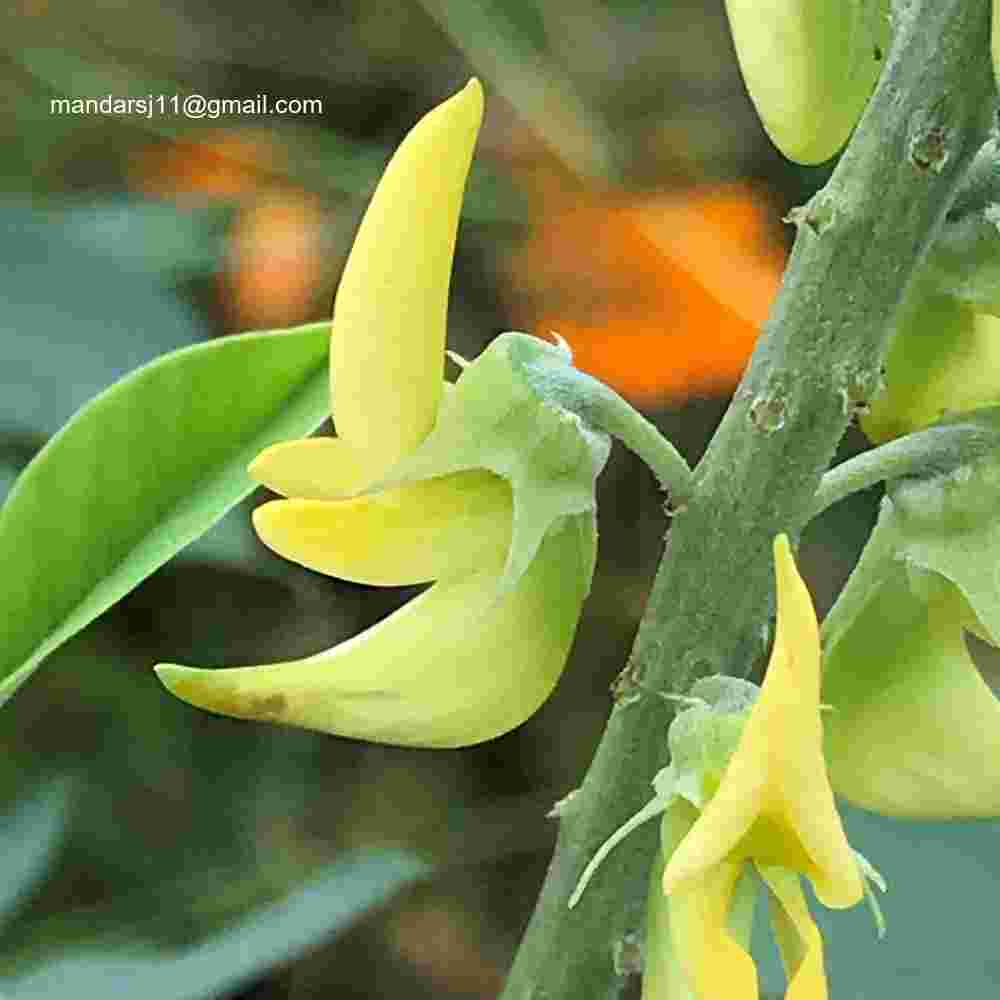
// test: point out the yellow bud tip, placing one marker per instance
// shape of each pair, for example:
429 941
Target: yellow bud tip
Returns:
388 338
473 91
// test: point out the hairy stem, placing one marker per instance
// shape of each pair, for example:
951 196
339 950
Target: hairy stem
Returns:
603 408
859 241
932 450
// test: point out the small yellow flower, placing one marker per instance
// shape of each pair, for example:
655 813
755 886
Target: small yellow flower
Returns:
774 807
421 484
746 800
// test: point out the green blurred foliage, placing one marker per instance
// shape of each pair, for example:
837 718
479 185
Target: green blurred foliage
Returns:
175 826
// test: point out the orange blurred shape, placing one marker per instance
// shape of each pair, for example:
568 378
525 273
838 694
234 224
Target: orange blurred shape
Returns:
214 164
275 261
273 267
661 297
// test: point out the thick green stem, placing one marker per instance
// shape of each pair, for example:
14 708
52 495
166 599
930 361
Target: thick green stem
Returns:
859 242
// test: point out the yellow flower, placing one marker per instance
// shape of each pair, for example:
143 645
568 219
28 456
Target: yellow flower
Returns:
774 807
914 729
424 483
809 66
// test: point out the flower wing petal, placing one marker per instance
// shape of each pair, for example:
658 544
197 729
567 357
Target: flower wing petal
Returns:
413 534
714 963
387 345
799 940
318 468
454 667
678 957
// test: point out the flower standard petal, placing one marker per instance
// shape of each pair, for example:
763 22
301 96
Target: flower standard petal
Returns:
389 317
418 677
424 531
775 802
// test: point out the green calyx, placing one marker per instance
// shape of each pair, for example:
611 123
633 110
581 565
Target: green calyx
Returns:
496 419
703 738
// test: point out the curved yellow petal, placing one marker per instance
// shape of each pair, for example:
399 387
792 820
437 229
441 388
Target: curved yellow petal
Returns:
714 963
455 666
915 730
799 939
943 360
669 930
387 344
810 67
412 534
319 468
775 803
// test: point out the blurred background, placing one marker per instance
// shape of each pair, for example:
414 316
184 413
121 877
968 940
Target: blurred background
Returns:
623 195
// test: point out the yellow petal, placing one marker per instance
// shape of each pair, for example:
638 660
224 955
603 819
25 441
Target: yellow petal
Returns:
387 345
943 360
915 730
775 803
713 962
453 667
809 66
412 534
320 468
672 933
799 940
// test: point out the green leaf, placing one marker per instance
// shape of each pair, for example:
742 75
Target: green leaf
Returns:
225 961
142 470
31 832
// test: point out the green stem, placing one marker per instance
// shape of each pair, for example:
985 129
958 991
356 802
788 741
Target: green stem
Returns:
602 407
934 449
859 242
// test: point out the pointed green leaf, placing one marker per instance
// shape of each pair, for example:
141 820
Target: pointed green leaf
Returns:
142 470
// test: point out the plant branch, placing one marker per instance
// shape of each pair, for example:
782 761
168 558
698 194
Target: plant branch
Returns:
859 242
